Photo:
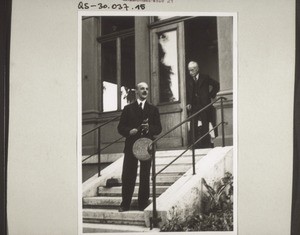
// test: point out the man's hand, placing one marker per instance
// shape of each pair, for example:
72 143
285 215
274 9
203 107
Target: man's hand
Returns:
189 107
145 128
133 131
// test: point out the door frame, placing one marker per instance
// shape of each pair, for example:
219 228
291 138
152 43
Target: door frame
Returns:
180 105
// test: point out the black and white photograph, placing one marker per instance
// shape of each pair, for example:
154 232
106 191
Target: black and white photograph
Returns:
150 116
158 123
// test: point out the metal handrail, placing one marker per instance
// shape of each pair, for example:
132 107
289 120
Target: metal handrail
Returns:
97 128
190 146
103 124
152 147
184 121
110 144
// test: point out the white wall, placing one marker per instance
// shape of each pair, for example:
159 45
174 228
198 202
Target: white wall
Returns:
42 170
42 165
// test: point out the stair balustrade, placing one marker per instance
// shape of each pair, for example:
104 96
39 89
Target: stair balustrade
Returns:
154 220
99 150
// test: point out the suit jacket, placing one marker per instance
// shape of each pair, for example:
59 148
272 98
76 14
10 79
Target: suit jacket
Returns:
132 117
199 93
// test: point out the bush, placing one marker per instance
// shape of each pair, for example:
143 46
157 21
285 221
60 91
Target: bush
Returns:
217 213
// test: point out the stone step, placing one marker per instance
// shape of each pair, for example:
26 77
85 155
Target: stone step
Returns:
111 157
172 169
168 153
115 228
179 161
100 213
116 191
162 179
162 183
108 202
111 216
182 168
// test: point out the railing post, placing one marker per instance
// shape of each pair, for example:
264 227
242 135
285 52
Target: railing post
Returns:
193 141
222 120
154 213
99 151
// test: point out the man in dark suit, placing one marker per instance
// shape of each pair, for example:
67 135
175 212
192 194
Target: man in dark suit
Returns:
137 117
200 90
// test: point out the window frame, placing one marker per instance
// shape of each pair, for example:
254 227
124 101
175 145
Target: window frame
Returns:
117 37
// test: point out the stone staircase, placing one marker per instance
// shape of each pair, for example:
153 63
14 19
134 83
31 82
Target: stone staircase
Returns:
100 212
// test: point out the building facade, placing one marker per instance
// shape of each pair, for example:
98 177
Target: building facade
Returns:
121 51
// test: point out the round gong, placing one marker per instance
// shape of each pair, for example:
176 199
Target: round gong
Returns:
140 149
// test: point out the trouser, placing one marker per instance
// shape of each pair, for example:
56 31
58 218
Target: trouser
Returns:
202 129
129 174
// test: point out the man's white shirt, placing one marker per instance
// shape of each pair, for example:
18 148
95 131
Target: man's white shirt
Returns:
141 101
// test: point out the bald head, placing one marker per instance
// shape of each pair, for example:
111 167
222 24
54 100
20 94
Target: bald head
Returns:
193 68
140 84
142 90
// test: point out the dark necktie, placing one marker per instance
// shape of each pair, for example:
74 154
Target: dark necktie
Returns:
141 106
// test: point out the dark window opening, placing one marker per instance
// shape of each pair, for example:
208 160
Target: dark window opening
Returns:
117 63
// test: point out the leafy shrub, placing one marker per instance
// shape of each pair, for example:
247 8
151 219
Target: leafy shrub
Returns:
174 224
217 210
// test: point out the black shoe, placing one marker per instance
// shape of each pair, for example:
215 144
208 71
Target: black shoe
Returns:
122 209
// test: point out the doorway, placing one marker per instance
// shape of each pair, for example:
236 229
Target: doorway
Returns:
201 44
173 45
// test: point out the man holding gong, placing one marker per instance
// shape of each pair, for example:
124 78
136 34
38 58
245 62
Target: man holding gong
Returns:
139 119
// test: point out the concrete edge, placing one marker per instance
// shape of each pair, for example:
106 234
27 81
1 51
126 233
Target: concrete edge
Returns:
190 184
90 187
